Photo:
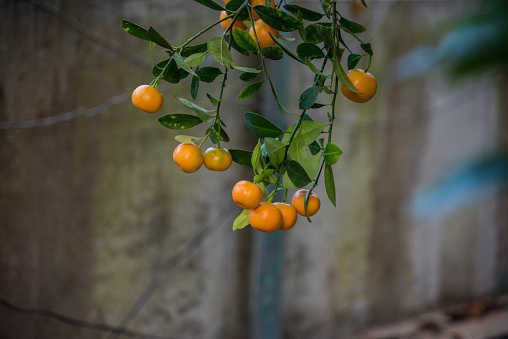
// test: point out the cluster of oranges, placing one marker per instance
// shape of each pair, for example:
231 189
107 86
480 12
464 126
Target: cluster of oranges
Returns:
260 26
190 158
270 217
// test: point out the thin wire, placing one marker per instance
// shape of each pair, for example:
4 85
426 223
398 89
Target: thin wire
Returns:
91 34
189 249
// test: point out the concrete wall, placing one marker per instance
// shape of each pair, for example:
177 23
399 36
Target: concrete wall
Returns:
93 210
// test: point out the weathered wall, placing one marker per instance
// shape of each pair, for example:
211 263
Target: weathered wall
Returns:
92 209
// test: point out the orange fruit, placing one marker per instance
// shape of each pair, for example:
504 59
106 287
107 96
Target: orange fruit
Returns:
188 157
364 82
226 1
289 215
247 194
225 23
254 3
266 217
262 30
299 199
217 159
147 98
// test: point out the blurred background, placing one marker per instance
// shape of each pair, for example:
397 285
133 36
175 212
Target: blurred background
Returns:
102 236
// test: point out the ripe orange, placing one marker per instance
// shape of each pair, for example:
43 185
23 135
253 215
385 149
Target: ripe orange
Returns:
364 82
266 217
217 159
226 1
225 23
299 199
262 33
289 215
254 3
247 195
188 157
147 98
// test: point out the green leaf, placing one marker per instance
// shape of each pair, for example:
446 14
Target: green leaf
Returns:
211 4
261 126
186 139
256 160
214 101
215 136
342 76
326 33
218 48
310 51
297 174
314 148
352 60
179 121
367 48
135 30
194 87
307 14
311 35
276 151
244 40
208 74
313 68
327 7
363 3
285 48
317 105
272 52
309 97
330 184
250 90
189 50
200 112
248 77
247 69
171 73
287 183
310 131
332 153
181 63
242 157
195 59
235 45
297 148
278 19
234 5
241 221
158 38
351 26
311 165
263 175
286 38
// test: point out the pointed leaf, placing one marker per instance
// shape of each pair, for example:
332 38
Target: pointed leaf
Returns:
261 126
311 35
250 90
309 97
326 33
272 52
195 59
135 30
352 60
248 77
244 40
313 68
332 153
215 137
242 157
235 45
158 38
179 121
241 221
186 139
307 14
351 26
208 74
189 50
367 48
327 7
247 69
363 3
257 159
285 48
276 151
330 184
307 50
218 48
342 76
234 5
214 101
181 63
310 131
211 4
314 148
200 112
311 165
278 19
194 87
297 174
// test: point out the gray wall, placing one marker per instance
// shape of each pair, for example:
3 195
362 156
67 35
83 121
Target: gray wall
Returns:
93 209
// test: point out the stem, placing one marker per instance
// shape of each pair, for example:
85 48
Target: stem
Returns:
234 16
203 31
